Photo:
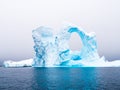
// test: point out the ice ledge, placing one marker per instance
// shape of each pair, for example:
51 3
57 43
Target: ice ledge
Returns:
98 63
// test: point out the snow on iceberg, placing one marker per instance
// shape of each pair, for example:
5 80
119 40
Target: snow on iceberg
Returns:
23 63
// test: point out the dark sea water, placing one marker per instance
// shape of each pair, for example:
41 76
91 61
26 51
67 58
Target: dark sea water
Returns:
59 78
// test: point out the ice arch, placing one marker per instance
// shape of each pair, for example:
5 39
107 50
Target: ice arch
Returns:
88 41
53 50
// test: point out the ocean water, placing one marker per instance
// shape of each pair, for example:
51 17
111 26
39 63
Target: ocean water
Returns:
60 78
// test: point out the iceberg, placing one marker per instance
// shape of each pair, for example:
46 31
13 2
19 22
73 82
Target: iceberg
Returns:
54 51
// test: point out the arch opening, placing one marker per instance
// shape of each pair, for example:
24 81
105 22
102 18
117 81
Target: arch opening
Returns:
75 42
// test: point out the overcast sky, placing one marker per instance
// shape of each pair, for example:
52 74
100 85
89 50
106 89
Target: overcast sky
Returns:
19 17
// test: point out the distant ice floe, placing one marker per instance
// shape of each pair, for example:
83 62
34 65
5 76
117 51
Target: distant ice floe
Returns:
54 51
22 63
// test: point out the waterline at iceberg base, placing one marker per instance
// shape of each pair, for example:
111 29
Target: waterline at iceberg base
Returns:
53 50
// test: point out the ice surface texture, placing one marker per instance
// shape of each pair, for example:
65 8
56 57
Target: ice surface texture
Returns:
53 50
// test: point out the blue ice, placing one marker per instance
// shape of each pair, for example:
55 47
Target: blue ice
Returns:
53 50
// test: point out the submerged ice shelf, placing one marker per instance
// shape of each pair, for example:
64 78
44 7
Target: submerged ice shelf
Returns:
54 51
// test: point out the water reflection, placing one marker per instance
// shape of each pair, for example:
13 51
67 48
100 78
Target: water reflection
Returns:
64 78
60 78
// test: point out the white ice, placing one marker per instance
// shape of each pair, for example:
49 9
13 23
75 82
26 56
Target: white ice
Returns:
22 63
